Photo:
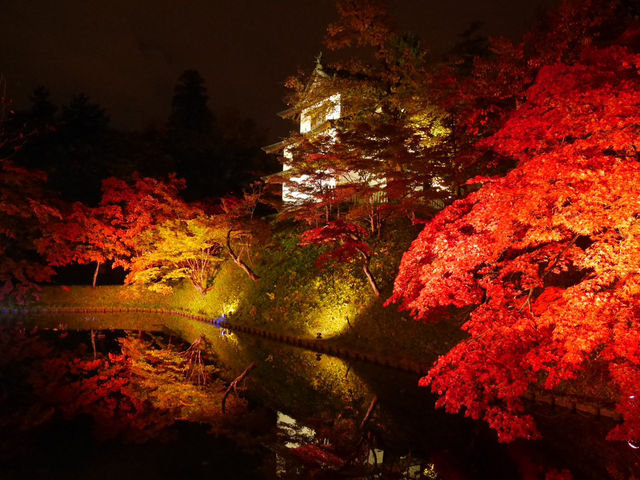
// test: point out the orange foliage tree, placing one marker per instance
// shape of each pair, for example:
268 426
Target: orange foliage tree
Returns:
180 248
83 235
164 238
145 227
113 231
547 257
136 206
238 224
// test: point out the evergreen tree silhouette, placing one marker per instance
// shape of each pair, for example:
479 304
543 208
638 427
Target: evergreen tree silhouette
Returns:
82 118
42 110
215 156
74 154
189 110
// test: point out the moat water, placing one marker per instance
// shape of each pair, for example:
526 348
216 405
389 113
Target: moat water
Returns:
312 416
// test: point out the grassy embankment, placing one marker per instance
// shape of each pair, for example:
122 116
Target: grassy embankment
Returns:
294 297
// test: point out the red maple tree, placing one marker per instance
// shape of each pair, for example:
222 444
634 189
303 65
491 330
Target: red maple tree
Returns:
547 256
83 235
348 240
135 206
238 225
25 211
112 231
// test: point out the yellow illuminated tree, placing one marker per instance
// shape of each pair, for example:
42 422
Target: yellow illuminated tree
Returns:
176 250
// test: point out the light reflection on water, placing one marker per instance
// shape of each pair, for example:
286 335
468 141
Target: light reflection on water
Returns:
295 435
320 402
408 435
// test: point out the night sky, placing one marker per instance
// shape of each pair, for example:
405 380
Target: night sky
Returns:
127 54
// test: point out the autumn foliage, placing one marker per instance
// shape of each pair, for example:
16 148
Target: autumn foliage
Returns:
347 240
546 256
132 394
135 206
113 231
82 235
189 241
25 212
541 260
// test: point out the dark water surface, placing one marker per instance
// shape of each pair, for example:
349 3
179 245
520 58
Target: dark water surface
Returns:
304 421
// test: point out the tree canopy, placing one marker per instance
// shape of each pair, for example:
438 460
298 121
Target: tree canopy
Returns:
189 110
25 211
547 256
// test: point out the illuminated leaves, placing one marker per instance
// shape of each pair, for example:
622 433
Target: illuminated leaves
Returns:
547 256
178 249
25 211
133 207
348 242
114 230
83 235
362 23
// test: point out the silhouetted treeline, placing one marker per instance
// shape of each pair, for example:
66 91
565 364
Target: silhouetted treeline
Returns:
75 145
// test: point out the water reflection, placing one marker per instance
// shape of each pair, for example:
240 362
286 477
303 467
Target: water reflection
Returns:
295 435
303 451
305 419
325 394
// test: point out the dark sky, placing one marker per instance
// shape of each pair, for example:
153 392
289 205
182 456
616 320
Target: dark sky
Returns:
127 54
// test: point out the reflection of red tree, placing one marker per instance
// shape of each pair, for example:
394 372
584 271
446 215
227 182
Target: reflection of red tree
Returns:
318 456
132 396
548 255
101 388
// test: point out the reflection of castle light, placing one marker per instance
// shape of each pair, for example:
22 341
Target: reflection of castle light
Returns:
296 434
375 456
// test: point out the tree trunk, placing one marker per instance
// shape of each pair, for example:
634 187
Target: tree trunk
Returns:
239 261
372 280
372 405
95 274
202 290
93 344
234 385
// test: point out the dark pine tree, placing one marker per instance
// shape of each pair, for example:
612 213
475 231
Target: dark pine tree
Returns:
69 147
189 110
81 118
43 110
216 156
190 137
